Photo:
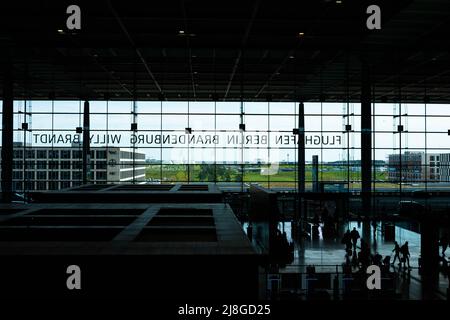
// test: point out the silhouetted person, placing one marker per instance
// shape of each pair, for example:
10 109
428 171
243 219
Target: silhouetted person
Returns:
405 254
347 241
250 232
325 217
386 263
284 239
316 220
354 235
324 214
355 261
278 250
397 253
285 247
377 258
364 254
374 226
444 243
444 263
315 226
348 253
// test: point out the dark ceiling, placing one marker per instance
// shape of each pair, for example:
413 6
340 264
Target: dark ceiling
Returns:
227 50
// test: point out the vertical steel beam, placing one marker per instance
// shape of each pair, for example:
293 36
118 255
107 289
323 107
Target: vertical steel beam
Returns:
86 144
7 134
301 148
366 139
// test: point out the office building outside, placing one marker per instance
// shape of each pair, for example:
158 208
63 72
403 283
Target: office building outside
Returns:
444 167
47 168
417 167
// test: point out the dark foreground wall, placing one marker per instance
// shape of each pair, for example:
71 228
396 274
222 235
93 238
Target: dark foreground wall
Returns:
174 278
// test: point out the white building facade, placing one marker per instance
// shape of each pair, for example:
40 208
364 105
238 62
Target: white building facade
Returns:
47 168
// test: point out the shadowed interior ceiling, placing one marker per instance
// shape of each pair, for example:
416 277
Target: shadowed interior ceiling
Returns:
227 50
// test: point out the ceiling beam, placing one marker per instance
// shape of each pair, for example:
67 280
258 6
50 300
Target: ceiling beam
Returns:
133 45
243 44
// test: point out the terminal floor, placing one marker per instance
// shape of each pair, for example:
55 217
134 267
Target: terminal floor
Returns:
326 254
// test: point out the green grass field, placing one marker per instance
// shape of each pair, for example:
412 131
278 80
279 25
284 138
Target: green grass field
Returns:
284 176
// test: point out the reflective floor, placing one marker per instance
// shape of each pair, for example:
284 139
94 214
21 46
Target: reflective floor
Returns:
320 251
328 254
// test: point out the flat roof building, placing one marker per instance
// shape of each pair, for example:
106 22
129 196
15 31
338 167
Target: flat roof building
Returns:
54 168
418 167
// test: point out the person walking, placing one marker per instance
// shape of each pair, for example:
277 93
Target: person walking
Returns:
354 235
396 250
405 254
444 243
347 241
364 255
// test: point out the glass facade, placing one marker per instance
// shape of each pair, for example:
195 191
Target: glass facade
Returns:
229 143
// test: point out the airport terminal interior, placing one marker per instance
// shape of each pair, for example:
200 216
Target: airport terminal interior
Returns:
272 149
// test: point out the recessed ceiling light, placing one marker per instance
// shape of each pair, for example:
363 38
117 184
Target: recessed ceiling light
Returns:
301 34
60 31
181 32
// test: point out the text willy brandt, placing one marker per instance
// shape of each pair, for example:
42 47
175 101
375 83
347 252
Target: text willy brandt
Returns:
192 139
